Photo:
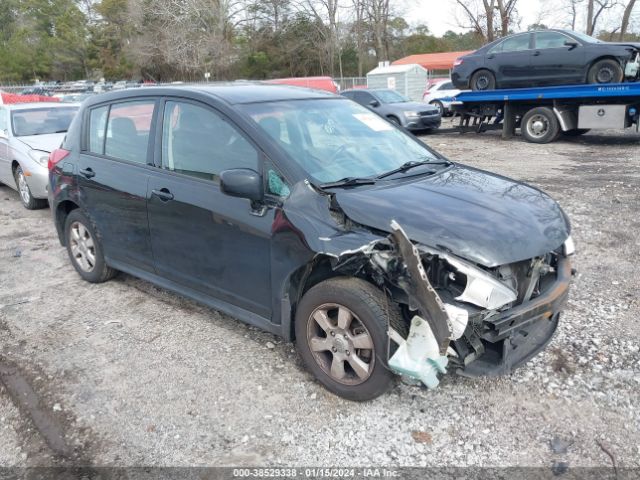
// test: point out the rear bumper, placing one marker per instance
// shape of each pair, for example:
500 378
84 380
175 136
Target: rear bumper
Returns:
460 81
519 334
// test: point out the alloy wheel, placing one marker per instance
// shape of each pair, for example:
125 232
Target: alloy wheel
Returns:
340 343
23 187
82 247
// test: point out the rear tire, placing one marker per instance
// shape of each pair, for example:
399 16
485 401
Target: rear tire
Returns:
605 71
353 369
540 125
483 80
26 196
85 250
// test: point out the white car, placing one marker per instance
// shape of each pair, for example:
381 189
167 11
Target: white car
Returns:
439 94
28 133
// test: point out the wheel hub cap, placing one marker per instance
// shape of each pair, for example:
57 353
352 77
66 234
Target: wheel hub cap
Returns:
340 344
25 194
82 247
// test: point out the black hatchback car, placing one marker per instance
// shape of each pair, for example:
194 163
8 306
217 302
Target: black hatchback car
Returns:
311 217
546 57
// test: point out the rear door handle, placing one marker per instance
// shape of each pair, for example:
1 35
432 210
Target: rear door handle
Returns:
88 173
163 194
536 53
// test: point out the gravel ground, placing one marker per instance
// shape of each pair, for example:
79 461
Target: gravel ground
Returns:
127 374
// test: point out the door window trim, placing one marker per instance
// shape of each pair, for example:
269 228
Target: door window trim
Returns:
84 143
495 52
159 161
535 40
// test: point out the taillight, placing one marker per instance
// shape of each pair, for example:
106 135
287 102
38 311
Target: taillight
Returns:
457 62
56 156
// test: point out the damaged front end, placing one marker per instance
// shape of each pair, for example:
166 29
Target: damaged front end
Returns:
471 319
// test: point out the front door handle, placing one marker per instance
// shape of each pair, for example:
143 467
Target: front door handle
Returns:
163 194
536 53
88 172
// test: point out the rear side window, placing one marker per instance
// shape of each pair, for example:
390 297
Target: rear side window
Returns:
97 126
447 86
128 130
513 44
121 130
197 141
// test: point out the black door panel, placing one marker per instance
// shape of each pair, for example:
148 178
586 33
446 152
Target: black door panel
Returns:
209 241
114 195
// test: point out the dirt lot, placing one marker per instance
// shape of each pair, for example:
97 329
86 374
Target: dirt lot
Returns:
127 374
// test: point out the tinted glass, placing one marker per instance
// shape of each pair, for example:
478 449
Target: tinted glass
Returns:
128 130
334 139
447 86
97 126
42 121
390 96
551 40
199 142
514 44
363 98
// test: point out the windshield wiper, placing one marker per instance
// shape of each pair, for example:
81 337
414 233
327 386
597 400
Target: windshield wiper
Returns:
349 182
405 167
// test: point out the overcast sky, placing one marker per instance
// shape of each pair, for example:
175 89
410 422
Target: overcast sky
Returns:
440 15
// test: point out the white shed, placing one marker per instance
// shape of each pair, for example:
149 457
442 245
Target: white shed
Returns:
409 80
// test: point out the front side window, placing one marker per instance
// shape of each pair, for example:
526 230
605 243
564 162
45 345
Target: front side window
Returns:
551 40
199 142
42 121
128 127
334 138
513 44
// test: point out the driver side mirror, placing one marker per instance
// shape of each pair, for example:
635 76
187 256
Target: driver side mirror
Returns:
571 44
242 183
374 103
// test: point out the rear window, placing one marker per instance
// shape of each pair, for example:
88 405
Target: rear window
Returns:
122 130
42 121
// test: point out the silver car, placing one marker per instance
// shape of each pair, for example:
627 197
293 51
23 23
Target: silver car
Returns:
28 133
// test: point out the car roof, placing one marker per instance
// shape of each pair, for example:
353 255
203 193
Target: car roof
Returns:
36 105
232 93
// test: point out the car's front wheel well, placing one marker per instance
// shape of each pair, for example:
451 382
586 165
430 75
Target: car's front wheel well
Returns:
63 210
319 270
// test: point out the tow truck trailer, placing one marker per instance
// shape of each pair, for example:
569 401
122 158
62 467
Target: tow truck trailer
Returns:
544 113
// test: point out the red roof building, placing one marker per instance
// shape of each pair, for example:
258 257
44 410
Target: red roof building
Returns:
432 61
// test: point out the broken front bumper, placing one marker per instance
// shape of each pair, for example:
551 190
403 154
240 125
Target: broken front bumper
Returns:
518 334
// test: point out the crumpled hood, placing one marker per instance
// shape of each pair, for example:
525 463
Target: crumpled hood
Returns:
47 143
476 215
625 44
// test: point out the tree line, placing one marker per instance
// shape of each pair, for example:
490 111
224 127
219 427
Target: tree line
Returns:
166 40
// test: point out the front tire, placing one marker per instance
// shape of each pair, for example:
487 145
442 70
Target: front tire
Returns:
438 104
85 250
483 80
394 120
605 71
341 330
26 197
540 125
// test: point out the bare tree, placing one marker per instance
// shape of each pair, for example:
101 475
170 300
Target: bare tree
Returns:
626 16
489 18
595 8
378 14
